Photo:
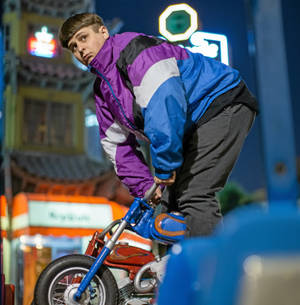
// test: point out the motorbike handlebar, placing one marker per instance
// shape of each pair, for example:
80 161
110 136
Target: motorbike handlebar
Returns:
150 192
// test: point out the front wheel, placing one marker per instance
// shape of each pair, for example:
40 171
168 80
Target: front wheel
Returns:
59 281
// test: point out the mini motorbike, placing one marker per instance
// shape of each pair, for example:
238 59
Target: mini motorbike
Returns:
88 279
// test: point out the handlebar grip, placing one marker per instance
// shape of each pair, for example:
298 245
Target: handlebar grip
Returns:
150 192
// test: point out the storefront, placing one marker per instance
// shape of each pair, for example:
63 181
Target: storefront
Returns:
46 227
5 241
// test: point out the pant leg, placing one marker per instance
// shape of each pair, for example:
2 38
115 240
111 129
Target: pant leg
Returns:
209 157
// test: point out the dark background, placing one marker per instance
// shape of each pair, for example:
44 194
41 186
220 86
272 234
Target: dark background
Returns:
230 18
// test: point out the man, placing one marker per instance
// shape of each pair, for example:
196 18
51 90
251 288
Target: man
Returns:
194 111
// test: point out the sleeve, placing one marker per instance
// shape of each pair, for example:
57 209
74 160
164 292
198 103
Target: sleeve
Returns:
160 94
121 148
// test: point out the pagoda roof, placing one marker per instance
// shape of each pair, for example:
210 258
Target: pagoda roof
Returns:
55 8
38 172
46 67
58 167
45 72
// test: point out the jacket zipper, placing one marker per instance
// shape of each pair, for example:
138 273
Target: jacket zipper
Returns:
116 99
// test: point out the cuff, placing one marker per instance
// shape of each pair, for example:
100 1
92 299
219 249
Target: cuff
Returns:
163 175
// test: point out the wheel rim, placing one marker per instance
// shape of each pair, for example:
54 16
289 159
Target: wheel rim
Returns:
93 295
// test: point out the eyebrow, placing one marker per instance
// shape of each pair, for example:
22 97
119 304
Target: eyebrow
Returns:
75 37
70 46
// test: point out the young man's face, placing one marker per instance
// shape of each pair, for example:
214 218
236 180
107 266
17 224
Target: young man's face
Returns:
86 43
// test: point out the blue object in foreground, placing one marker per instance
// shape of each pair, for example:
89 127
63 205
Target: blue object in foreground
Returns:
255 250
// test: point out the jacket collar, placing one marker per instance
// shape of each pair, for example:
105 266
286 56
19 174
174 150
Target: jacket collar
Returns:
103 59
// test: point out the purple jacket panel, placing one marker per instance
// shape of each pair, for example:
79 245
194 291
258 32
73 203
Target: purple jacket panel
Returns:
114 128
104 115
123 154
149 56
132 169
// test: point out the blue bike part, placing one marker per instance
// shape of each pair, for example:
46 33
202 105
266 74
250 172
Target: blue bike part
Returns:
168 228
91 273
143 226
139 217
135 213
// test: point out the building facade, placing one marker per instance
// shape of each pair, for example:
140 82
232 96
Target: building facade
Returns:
52 154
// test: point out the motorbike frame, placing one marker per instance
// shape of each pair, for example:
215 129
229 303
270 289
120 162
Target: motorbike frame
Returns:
139 218
123 256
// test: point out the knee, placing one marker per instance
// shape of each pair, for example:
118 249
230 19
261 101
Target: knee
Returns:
201 218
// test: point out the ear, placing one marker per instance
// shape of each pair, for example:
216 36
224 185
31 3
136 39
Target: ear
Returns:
104 31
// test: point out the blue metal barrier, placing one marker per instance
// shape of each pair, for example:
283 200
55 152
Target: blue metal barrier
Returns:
210 271
213 270
1 91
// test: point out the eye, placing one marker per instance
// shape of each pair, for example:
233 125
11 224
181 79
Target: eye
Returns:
74 47
82 38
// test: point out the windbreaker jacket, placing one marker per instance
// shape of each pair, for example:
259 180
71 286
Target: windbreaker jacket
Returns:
147 88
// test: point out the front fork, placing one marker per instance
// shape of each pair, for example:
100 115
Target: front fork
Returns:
109 245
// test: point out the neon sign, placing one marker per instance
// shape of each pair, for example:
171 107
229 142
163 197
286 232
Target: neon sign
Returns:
42 44
210 44
177 22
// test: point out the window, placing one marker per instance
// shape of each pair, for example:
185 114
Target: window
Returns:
92 138
93 144
48 123
6 37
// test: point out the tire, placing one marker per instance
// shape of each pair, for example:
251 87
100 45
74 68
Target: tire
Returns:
55 282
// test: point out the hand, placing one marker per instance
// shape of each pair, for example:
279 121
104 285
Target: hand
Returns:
157 196
168 181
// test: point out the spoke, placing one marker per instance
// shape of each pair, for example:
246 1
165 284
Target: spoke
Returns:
63 284
59 298
70 279
58 301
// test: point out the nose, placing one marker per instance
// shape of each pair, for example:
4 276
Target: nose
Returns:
80 48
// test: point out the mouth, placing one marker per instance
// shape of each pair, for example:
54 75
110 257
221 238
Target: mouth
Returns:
87 58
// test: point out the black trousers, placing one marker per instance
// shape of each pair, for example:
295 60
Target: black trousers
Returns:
209 156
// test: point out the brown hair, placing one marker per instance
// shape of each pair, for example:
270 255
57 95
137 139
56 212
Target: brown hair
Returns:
74 23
